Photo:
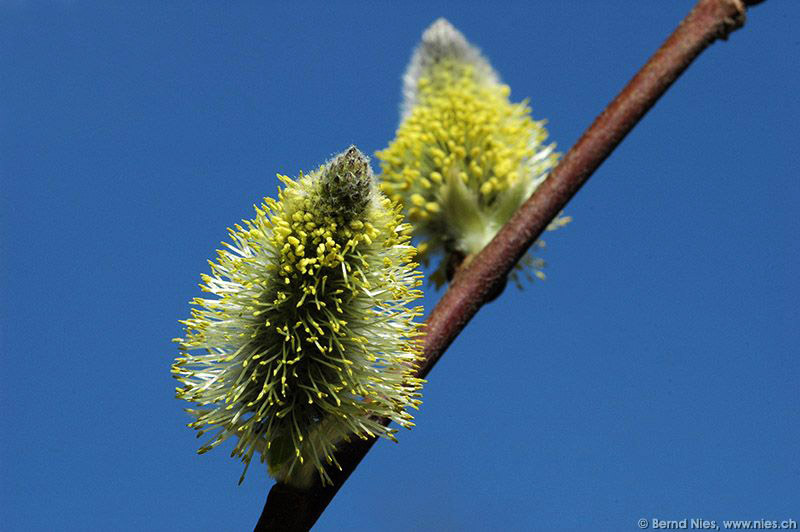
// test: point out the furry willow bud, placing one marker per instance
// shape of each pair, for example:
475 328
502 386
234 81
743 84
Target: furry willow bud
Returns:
465 157
311 338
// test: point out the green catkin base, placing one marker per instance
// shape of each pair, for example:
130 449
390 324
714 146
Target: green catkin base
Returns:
312 337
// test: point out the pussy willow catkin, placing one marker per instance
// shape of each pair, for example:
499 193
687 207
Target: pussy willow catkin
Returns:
311 337
464 157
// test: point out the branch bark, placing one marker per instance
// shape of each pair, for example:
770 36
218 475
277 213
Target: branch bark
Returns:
290 509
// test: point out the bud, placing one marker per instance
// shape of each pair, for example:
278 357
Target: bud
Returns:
311 338
346 184
464 157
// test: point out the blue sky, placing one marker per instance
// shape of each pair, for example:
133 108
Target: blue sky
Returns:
653 375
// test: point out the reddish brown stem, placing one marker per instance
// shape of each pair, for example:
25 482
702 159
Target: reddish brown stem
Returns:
289 509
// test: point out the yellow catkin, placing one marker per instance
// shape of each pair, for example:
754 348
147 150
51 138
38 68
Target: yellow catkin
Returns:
311 339
464 157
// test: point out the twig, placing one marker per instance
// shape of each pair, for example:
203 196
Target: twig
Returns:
289 509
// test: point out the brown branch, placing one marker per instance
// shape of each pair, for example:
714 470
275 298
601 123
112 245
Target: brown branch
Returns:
289 509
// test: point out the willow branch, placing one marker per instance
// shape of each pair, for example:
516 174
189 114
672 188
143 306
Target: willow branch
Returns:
290 509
